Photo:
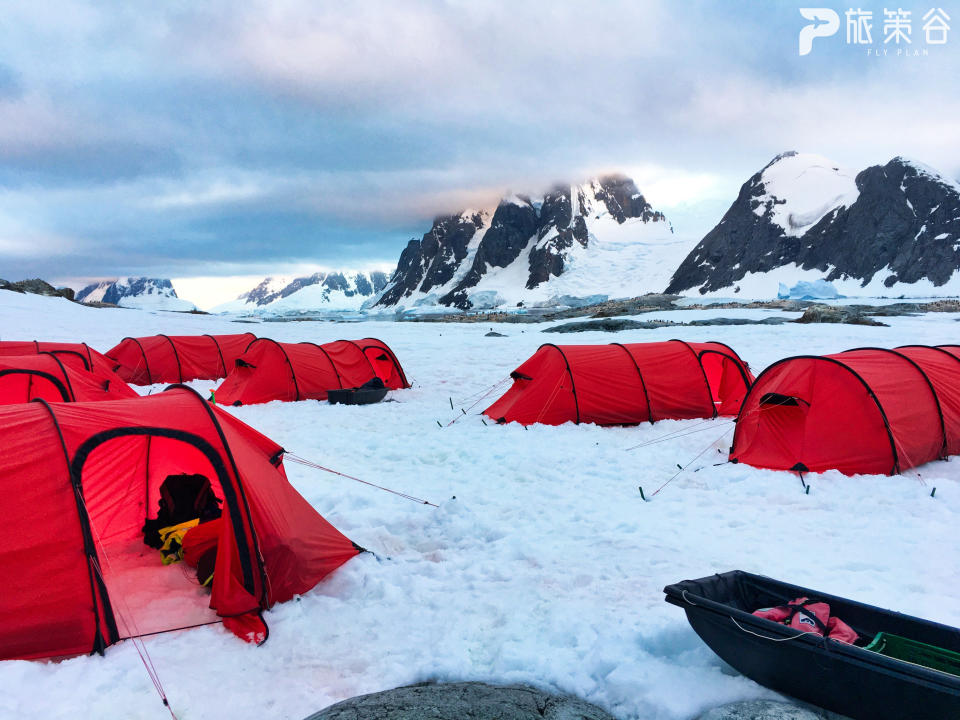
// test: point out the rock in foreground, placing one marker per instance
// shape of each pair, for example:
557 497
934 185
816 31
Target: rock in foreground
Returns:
463 701
761 710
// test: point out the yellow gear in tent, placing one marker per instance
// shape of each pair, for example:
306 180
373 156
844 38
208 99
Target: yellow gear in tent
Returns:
172 538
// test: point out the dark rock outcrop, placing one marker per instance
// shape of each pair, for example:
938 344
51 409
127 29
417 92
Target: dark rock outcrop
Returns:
36 286
837 314
432 261
462 701
512 226
905 222
609 325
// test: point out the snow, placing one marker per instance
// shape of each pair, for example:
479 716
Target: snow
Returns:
766 285
542 564
802 188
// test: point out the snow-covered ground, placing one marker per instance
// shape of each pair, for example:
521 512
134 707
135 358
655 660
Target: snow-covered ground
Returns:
542 564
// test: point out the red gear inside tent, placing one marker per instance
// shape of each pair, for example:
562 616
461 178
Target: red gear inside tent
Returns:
79 481
178 358
624 384
270 370
26 377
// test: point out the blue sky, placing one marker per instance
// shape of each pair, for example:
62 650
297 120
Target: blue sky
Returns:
211 139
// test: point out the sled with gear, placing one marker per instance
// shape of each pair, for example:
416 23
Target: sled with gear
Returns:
624 384
270 370
178 358
868 410
85 483
372 391
46 375
883 666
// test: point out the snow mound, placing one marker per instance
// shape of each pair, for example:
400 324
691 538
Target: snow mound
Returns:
802 188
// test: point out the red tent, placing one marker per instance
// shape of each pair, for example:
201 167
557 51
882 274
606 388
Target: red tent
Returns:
624 384
178 358
270 370
25 377
75 355
78 481
869 410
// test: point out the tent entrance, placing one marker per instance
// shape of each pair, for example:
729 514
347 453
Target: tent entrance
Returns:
727 381
783 423
121 472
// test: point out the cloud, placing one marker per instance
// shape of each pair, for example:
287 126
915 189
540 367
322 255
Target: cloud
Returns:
183 137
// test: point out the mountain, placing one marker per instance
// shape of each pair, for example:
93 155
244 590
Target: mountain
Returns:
575 244
139 292
890 230
331 291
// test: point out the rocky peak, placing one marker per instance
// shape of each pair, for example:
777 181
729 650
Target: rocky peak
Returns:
901 219
461 251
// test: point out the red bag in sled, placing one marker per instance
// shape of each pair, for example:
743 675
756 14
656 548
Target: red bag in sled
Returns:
804 615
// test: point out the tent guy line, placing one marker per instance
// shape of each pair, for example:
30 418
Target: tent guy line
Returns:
317 466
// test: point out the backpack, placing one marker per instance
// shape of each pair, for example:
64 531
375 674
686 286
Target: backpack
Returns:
182 497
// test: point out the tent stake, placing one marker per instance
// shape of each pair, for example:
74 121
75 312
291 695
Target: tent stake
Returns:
933 492
439 425
642 496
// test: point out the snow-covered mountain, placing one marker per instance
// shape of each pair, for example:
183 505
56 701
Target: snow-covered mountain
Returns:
578 242
888 230
136 292
322 291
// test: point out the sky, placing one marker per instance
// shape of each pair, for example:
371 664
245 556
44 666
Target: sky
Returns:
216 143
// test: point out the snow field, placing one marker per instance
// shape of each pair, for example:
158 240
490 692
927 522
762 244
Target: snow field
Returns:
548 567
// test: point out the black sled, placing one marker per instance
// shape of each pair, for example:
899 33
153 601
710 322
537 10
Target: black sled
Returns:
861 683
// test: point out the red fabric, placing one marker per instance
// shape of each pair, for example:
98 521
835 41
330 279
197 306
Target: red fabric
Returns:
837 629
249 627
861 411
304 371
942 367
47 607
623 384
178 358
79 356
26 377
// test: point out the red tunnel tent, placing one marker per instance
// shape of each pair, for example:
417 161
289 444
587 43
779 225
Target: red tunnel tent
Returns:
270 370
178 358
869 410
26 377
78 481
75 355
624 384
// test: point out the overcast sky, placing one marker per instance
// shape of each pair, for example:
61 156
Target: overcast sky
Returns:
190 139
